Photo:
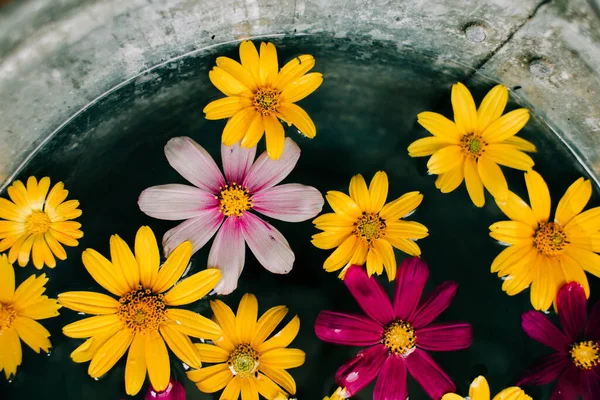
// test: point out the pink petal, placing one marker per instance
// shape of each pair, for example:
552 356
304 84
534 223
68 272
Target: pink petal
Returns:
266 173
428 374
434 304
591 384
592 330
228 253
369 294
357 373
391 384
197 230
174 391
572 310
175 202
194 164
546 370
347 329
568 386
538 327
291 202
410 281
446 336
236 162
268 245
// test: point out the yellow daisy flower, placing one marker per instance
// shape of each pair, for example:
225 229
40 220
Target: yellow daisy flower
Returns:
365 229
339 394
19 310
259 94
480 390
37 224
545 253
472 146
248 363
142 319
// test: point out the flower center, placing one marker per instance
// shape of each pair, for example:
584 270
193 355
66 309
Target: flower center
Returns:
7 316
243 360
585 355
473 145
369 227
549 239
266 100
142 310
234 199
37 222
399 336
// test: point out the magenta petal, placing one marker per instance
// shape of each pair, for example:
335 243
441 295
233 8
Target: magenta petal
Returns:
592 330
347 329
436 302
359 371
572 310
175 202
591 385
410 281
369 295
291 202
538 327
197 230
545 370
568 386
447 336
174 391
236 162
391 384
194 164
228 253
266 173
429 375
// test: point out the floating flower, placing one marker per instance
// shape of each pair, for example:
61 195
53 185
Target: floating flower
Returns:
248 363
37 224
472 146
19 310
248 187
575 362
174 391
143 318
480 390
399 335
542 253
258 94
339 394
365 229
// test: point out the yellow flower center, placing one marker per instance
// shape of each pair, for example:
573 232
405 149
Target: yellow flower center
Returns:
399 337
142 310
7 316
549 239
234 199
369 226
266 100
473 145
37 222
585 355
243 360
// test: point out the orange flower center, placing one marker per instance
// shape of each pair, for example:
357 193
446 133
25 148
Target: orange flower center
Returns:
585 355
399 336
234 199
37 222
7 316
473 145
142 310
549 239
266 100
243 360
369 227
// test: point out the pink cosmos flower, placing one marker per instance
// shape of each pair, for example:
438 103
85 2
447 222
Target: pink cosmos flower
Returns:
174 391
399 335
576 361
229 203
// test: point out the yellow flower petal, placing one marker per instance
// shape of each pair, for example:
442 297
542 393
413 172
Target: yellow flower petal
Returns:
232 390
11 228
29 291
343 205
359 255
11 351
341 255
110 352
147 255
473 182
330 240
511 232
135 369
507 155
296 115
405 245
401 207
32 333
18 194
449 181
23 257
249 58
55 247
520 279
268 64
512 393
227 84
445 160
492 178
67 210
236 70
440 126
275 136
45 308
267 323
332 222
465 113
539 196
212 354
406 230
238 125
89 302
226 107
573 272
452 396
57 195
92 326
249 389
181 345
546 283
283 338
11 212
426 146
506 126
299 89
266 387
173 268
588 260
359 193
157 361
103 272
279 376
211 379
293 70
573 201
491 107
245 321
520 144
586 223
386 254
374 263
89 348
254 133
225 319
516 209
510 256
283 358
193 324
193 288
7 280
479 389
378 190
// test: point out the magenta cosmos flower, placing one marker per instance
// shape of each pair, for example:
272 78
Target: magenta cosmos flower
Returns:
399 335
575 362
228 203
174 391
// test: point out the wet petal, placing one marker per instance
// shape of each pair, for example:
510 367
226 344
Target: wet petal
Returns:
370 295
228 254
359 371
347 329
410 281
428 374
266 173
290 202
445 336
175 202
538 327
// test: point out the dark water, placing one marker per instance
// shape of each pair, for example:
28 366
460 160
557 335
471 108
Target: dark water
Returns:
365 114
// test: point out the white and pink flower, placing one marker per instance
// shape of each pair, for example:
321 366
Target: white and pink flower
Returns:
227 203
